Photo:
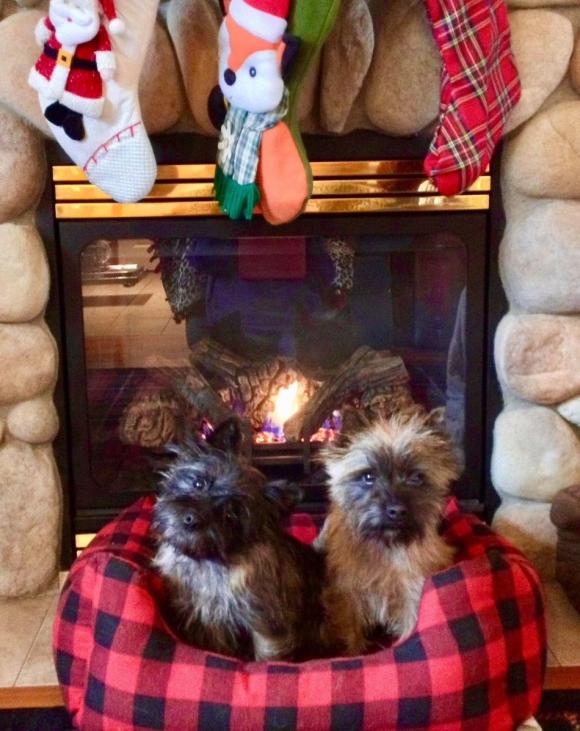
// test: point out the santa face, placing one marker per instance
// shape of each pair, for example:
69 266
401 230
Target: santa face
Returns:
76 21
254 85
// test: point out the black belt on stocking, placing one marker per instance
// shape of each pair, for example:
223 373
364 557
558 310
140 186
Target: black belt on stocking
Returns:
64 58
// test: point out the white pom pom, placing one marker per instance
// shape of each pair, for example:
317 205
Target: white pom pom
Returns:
117 27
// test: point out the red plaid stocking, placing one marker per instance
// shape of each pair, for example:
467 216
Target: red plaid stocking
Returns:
479 86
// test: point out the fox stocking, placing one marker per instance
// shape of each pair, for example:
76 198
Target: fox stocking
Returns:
87 78
261 163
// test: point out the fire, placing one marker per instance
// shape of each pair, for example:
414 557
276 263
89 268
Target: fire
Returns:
286 404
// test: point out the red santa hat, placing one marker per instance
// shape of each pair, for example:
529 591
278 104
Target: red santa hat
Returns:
266 19
116 25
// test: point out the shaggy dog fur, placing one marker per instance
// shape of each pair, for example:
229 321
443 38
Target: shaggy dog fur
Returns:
239 584
388 487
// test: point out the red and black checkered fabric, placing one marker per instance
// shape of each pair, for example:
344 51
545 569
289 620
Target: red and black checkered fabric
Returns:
475 661
479 87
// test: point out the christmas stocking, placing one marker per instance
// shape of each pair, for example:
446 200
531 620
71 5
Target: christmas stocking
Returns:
261 159
87 88
479 87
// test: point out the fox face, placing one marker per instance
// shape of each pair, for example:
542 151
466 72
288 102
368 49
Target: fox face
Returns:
250 69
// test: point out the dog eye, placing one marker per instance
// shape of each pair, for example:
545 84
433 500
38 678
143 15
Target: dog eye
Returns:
253 71
415 479
368 478
201 483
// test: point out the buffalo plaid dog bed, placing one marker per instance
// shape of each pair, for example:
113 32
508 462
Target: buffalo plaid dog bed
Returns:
475 661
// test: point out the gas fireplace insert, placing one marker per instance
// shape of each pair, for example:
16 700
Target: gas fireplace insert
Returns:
382 296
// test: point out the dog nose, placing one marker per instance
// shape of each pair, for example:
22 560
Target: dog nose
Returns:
396 512
230 77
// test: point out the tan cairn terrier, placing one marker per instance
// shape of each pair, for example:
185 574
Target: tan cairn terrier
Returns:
389 481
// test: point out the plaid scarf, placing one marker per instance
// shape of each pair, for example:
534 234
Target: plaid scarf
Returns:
238 155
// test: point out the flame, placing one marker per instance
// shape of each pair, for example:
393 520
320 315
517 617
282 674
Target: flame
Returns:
286 404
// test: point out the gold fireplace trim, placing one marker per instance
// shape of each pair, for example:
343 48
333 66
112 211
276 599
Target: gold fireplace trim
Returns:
338 187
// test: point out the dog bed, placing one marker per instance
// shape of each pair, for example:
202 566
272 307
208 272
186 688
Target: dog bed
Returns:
475 661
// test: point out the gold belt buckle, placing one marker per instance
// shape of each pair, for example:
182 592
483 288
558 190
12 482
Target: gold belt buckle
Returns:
64 58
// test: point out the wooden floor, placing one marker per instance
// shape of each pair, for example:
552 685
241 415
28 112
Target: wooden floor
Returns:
50 696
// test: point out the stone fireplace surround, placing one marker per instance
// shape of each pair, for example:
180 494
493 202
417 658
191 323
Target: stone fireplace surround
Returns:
388 81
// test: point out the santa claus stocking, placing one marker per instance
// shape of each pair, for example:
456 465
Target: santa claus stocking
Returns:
479 87
87 78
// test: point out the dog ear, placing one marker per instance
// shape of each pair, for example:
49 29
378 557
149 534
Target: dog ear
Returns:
291 48
285 495
436 420
228 436
354 420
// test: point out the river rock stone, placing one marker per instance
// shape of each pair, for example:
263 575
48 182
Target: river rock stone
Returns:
22 166
347 55
542 43
24 275
537 357
30 515
535 454
575 67
28 362
570 410
19 54
34 421
543 160
402 87
193 26
528 526
540 255
160 89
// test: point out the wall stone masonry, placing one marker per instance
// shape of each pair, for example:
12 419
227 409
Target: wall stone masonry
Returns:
349 48
402 88
537 356
542 42
541 246
388 80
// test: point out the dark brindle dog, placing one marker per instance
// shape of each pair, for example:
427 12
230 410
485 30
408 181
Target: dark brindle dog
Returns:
238 583
388 487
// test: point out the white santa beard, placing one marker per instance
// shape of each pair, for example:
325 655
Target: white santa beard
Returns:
70 34
116 153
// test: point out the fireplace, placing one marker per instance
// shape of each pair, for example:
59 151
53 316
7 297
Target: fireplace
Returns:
169 317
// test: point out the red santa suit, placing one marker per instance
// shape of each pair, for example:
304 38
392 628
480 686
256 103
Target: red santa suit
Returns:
71 75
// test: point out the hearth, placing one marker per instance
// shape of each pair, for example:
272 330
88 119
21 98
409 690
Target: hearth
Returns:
169 317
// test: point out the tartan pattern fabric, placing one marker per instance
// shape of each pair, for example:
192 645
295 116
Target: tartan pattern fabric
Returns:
476 660
240 137
479 87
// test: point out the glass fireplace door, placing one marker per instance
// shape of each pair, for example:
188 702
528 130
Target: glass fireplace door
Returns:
171 328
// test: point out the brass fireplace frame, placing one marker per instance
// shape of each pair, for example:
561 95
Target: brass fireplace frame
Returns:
350 186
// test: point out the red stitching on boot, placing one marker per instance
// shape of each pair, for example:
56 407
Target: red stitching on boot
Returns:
118 137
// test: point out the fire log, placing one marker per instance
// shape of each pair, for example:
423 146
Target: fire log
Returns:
365 370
